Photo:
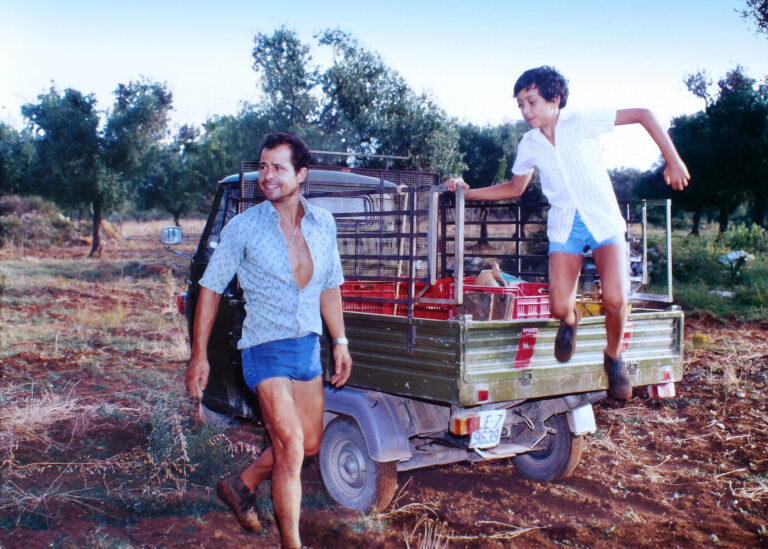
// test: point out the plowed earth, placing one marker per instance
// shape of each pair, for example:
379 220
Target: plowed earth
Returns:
691 471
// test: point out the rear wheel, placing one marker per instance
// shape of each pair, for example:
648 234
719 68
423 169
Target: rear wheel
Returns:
349 474
556 456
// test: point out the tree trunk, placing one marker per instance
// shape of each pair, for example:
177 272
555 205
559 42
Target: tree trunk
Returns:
724 215
176 219
483 227
696 222
758 213
96 233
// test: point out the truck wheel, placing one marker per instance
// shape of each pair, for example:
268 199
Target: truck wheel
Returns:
351 477
556 456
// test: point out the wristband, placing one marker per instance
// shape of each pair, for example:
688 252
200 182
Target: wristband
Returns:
342 340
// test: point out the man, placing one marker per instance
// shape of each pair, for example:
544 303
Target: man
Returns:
285 256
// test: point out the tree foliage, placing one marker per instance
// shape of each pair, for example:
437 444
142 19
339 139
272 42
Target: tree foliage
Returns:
16 157
725 147
84 163
357 104
757 12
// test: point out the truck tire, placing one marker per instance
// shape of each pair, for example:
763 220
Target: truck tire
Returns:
556 456
351 477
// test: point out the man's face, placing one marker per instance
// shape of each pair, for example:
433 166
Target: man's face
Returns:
277 178
536 110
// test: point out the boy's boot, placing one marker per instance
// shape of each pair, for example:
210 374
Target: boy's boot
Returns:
619 384
565 340
241 500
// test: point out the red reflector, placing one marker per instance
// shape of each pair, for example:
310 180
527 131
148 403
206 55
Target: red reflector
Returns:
181 303
465 423
482 394
667 376
663 390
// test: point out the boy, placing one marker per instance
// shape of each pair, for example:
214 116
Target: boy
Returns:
584 210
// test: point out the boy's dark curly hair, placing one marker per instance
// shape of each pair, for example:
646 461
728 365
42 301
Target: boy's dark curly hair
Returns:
547 80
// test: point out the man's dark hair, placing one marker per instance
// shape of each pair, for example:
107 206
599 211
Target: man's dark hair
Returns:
300 155
547 80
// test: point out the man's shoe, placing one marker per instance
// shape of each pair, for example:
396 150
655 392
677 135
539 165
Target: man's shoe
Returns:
241 500
565 340
619 384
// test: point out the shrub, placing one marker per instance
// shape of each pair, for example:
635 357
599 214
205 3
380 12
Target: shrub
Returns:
694 260
750 239
33 220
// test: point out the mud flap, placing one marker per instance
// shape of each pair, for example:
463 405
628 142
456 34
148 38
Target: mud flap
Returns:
581 420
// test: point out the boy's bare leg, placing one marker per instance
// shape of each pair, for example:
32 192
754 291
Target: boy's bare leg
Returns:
564 270
293 415
611 263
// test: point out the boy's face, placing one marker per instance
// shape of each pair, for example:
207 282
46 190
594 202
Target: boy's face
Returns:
537 111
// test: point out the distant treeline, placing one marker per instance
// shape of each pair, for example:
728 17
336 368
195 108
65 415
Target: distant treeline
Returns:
94 161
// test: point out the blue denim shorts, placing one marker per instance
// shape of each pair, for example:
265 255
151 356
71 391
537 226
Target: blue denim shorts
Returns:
298 359
581 237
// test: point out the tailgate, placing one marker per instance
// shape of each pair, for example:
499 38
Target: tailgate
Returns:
514 360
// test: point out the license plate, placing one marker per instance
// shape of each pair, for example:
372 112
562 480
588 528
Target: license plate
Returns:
489 433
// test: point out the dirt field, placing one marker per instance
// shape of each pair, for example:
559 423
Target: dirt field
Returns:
99 446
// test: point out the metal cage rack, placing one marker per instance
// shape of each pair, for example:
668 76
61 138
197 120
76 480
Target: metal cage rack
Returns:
397 233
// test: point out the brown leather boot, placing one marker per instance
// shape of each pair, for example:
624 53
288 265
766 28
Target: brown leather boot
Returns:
565 340
241 500
619 383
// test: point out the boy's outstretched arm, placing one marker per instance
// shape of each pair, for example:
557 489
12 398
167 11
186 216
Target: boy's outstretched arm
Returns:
511 189
676 173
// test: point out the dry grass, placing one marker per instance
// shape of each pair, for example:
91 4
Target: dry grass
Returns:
758 491
28 415
429 533
151 229
426 534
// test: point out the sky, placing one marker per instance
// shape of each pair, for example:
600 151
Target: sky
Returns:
466 54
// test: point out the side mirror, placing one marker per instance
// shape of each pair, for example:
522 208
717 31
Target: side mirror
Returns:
171 235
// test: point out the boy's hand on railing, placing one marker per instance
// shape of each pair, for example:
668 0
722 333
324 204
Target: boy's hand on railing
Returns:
454 183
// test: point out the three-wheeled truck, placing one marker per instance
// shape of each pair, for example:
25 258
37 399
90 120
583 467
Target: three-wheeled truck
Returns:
446 368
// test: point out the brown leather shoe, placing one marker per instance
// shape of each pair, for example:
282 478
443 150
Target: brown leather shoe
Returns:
619 383
241 500
565 340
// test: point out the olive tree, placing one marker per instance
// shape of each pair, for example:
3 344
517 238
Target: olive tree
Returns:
86 157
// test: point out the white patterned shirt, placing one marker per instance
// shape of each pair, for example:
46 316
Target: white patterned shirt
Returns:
253 246
573 174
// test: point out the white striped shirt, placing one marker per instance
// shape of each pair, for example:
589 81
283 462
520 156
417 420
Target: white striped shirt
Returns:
573 175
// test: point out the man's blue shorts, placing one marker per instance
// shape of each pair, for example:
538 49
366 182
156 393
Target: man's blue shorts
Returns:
581 237
297 359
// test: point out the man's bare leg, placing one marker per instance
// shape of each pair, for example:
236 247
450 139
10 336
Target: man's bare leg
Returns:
293 415
611 263
258 471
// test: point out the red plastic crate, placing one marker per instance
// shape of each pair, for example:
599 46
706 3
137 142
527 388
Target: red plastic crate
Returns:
386 290
355 289
441 289
531 299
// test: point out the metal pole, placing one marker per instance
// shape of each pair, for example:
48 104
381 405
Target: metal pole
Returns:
458 271
669 250
645 242
432 239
